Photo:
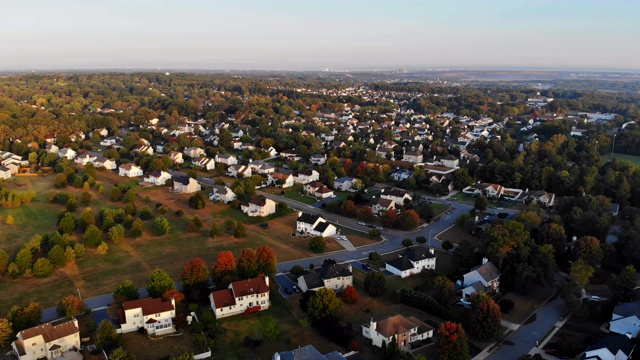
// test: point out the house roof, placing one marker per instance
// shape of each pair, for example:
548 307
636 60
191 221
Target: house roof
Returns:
308 218
323 190
280 176
395 193
322 226
149 306
308 352
307 172
223 298
182 179
313 280
398 324
331 269
401 263
343 179
613 343
488 271
257 200
219 189
49 331
385 203
627 309
257 285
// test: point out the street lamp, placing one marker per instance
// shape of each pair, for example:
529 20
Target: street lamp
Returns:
79 295
430 231
613 144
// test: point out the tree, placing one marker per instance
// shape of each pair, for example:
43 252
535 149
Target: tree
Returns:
485 322
581 273
4 261
589 250
136 228
408 220
126 291
461 179
107 336
625 283
225 268
348 208
60 181
159 282
121 354
366 213
407 242
93 236
10 220
25 317
197 201
42 268
56 256
116 233
375 283
444 290
421 240
350 295
195 273
102 248
70 306
451 343
67 224
481 203
195 224
266 260
69 255
324 304
161 226
6 331
375 233
86 218
270 327
447 245
389 218
502 240
130 196
240 230
317 244
174 294
85 198
115 194
247 264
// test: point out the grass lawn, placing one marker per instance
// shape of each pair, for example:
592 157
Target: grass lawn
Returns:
575 336
456 234
526 304
438 209
635 160
238 215
358 238
145 348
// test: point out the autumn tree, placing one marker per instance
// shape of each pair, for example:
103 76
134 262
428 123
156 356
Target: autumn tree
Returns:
366 213
107 336
589 250
266 260
26 316
350 295
348 208
444 290
553 234
159 282
485 322
624 284
6 331
503 239
247 264
408 220
581 273
389 218
126 291
195 273
224 270
4 261
70 306
451 343
116 233
375 283
481 203
161 226
174 294
324 304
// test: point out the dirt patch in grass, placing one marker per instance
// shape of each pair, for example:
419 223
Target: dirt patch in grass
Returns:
456 234
526 304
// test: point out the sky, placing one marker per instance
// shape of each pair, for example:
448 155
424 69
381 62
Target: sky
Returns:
318 34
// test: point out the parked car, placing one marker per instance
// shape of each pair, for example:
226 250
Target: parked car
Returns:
287 290
362 223
551 351
380 228
366 266
296 289
464 302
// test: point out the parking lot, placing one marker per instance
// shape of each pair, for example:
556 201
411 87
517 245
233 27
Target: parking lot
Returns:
285 282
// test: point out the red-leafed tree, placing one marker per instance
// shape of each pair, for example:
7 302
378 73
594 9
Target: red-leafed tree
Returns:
266 259
347 166
366 213
224 270
485 321
173 294
247 264
451 343
195 273
589 250
389 218
408 220
348 208
350 295
70 306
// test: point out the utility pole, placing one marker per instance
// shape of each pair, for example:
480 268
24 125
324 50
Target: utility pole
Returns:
79 295
613 144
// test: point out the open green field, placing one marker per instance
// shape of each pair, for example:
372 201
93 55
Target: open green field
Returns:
635 160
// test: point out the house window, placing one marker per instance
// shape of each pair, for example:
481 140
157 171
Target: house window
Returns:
34 344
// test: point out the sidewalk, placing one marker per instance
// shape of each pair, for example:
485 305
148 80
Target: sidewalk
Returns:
539 349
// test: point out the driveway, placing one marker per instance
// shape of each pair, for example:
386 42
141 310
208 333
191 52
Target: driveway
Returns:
358 265
284 282
102 314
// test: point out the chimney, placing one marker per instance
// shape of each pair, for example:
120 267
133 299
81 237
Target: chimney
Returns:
276 356
299 213
431 251
266 280
372 325
484 260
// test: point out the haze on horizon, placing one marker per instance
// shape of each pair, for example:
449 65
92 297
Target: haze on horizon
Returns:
313 35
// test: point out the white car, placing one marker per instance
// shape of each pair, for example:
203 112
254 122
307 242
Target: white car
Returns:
464 302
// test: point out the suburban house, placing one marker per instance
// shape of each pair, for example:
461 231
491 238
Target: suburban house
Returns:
626 319
258 206
305 176
109 141
239 171
185 185
541 197
261 167
314 225
5 172
381 205
244 296
193 152
102 132
85 158
317 189
129 170
612 347
308 352
396 195
226 159
406 330
485 277
176 157
103 162
412 261
280 180
401 174
143 149
330 275
48 341
412 156
222 193
271 151
52 149
318 159
204 162
289 155
67 153
154 315
157 177
344 183
493 191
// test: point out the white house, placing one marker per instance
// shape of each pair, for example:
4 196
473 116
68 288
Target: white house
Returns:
109 141
185 185
239 171
485 277
154 315
406 331
226 159
85 158
204 162
143 149
401 174
330 275
380 206
487 189
261 167
306 176
53 149
626 319
396 195
102 132
244 296
546 199
412 156
176 157
103 162
318 159
412 261
612 347
129 170
222 193
314 225
5 172
281 180
258 206
344 183
67 153
157 177
193 152
48 341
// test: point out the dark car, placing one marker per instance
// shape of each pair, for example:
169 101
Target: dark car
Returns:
551 351
366 266
288 291
296 289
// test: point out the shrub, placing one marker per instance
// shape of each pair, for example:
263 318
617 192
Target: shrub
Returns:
375 283
145 213
297 270
374 233
102 248
422 301
350 295
179 213
317 244
161 226
197 201
506 305
42 268
374 256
